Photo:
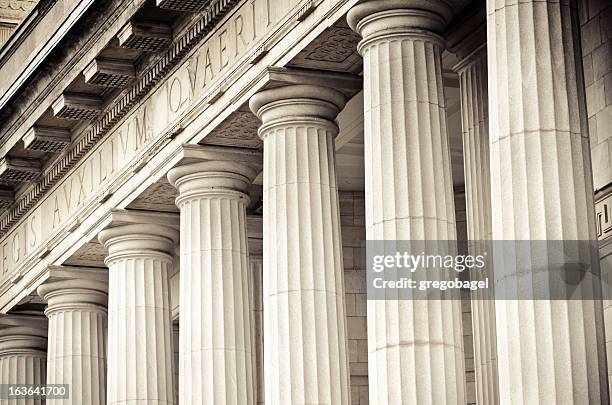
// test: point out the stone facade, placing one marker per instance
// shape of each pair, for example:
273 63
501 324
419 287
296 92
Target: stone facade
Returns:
186 188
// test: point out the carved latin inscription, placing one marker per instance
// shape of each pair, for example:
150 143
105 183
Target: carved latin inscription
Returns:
198 77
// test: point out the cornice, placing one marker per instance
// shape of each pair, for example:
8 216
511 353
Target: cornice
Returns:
27 27
57 68
120 108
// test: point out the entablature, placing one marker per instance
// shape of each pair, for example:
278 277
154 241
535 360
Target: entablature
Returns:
105 77
197 87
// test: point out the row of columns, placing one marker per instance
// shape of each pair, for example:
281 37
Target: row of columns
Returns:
539 186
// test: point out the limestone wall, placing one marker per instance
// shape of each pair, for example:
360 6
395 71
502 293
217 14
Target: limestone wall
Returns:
352 217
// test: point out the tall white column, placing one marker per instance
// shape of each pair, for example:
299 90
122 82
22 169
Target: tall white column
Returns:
549 352
216 348
257 319
23 359
475 124
76 352
139 320
468 43
415 346
305 348
175 358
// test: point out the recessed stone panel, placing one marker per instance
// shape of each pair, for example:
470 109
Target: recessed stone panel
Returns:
239 129
192 6
109 73
14 170
144 35
335 49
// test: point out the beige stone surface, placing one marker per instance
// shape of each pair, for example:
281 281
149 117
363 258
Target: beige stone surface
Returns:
548 351
139 316
352 218
216 343
597 63
595 20
76 353
308 294
305 349
415 347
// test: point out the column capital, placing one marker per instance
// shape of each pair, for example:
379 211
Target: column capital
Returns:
19 338
296 103
74 293
212 178
384 19
135 238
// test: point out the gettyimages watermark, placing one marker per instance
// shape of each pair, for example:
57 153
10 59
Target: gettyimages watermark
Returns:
498 270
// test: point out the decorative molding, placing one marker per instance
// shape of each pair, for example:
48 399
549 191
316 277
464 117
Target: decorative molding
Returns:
145 36
91 254
238 129
109 73
15 171
158 196
46 139
603 217
29 27
306 10
15 9
61 67
335 49
180 48
72 106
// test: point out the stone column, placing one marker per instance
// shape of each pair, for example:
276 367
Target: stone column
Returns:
139 320
475 123
76 352
257 319
23 359
215 351
305 348
468 42
548 351
415 346
175 359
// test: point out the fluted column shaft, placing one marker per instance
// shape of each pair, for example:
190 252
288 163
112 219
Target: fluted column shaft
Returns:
472 70
23 359
548 351
139 317
77 339
257 319
415 346
215 351
305 348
